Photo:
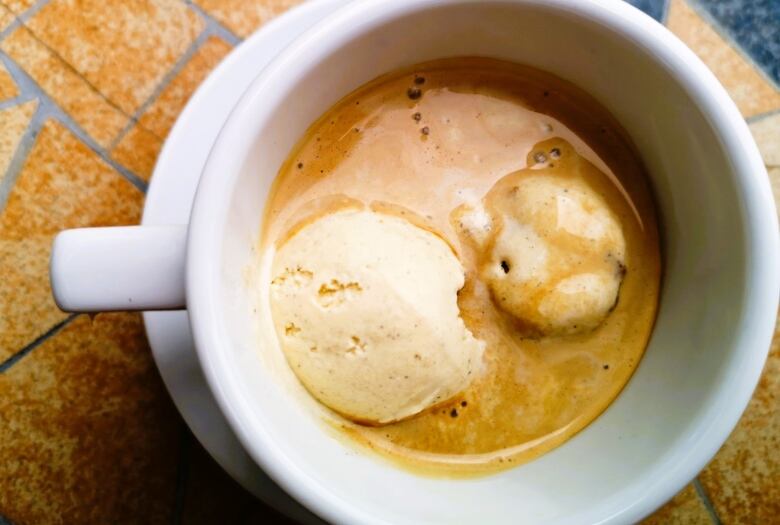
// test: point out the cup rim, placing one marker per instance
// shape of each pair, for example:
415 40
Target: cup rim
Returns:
762 288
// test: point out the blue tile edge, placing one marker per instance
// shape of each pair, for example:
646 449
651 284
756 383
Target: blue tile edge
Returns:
752 25
655 8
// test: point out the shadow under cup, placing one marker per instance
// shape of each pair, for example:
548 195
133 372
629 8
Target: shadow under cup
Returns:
711 334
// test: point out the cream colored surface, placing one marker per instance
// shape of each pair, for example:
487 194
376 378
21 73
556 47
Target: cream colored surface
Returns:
365 306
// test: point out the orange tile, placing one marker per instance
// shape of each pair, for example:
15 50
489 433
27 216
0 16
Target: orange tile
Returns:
19 6
26 307
63 184
13 124
684 509
244 16
8 88
138 151
122 48
752 93
6 17
88 108
163 112
87 432
742 480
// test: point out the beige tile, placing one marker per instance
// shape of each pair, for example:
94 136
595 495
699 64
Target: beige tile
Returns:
743 481
244 16
87 432
138 151
767 134
122 48
13 124
684 509
8 88
160 116
6 17
774 180
88 108
751 91
26 307
63 184
211 496
19 6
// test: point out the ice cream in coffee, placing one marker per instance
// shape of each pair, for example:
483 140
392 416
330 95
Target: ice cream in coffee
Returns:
464 263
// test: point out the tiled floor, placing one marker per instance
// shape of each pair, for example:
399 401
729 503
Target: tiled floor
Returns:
89 89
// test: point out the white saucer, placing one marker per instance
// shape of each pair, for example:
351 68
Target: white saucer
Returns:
169 201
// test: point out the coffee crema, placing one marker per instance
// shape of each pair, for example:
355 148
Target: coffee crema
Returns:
433 140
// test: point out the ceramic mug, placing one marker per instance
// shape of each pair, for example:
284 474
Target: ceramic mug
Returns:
720 245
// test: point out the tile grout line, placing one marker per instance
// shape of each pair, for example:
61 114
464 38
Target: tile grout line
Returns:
70 67
20 22
20 155
726 35
16 101
761 116
215 25
705 499
29 12
51 109
48 107
18 356
212 28
20 19
182 473
169 76
665 12
13 26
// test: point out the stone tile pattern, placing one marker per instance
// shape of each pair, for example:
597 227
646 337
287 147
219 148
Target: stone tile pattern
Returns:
138 149
6 17
13 124
161 115
19 6
87 432
743 481
749 88
124 48
755 25
8 88
91 111
62 184
242 17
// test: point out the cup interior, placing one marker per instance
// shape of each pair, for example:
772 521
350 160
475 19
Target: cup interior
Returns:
711 334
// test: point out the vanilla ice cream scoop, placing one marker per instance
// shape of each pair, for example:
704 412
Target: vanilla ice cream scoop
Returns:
556 260
548 245
365 307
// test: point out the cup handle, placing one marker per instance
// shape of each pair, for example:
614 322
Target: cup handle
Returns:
119 268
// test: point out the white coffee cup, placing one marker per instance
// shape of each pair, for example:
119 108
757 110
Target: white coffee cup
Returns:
720 285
